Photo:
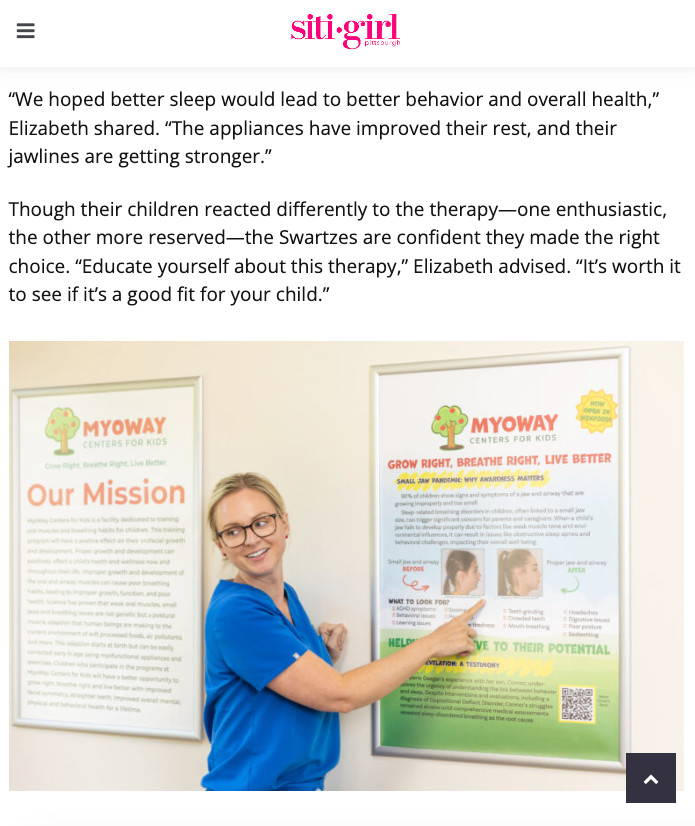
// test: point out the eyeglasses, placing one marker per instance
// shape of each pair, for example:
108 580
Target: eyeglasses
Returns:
236 536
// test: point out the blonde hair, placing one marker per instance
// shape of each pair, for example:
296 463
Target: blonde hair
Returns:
242 481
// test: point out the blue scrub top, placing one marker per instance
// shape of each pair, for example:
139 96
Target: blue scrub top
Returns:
261 741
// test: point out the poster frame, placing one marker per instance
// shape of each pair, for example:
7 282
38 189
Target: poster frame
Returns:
196 730
622 356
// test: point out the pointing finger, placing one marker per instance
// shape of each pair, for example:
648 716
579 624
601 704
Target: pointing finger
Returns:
466 615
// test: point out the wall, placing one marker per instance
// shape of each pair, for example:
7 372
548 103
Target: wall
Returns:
299 413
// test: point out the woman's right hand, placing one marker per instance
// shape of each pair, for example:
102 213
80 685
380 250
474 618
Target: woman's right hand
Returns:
456 637
311 682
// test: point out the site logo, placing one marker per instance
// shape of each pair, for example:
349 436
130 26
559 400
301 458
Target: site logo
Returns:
61 427
448 422
355 33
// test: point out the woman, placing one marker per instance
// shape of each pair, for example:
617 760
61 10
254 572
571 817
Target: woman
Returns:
518 573
462 573
272 693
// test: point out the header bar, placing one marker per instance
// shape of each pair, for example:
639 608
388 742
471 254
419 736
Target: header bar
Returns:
363 33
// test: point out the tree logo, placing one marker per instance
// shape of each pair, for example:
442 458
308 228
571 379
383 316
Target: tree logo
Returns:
62 425
449 422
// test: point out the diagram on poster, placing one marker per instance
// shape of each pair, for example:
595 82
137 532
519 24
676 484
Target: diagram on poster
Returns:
505 481
107 558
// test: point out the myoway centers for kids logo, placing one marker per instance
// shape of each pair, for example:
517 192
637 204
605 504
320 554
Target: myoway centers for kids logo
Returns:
448 422
61 427
63 424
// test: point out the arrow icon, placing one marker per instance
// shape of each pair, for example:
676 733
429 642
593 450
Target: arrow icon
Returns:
652 778
571 590
415 585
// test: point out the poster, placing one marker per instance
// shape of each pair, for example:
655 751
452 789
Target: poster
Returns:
505 480
107 580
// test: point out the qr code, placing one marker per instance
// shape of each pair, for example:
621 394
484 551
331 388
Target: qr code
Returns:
577 704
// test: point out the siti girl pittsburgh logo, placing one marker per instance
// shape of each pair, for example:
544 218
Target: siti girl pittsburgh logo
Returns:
355 33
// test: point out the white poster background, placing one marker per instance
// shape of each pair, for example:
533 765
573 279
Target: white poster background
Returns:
406 399
108 593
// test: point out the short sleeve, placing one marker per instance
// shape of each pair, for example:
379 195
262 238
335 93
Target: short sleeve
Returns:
255 641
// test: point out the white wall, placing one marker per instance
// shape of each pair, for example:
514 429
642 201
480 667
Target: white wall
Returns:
260 413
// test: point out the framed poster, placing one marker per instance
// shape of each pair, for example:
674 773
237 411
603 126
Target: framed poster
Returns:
505 479
107 566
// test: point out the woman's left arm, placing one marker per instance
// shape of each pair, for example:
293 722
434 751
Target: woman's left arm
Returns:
333 635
